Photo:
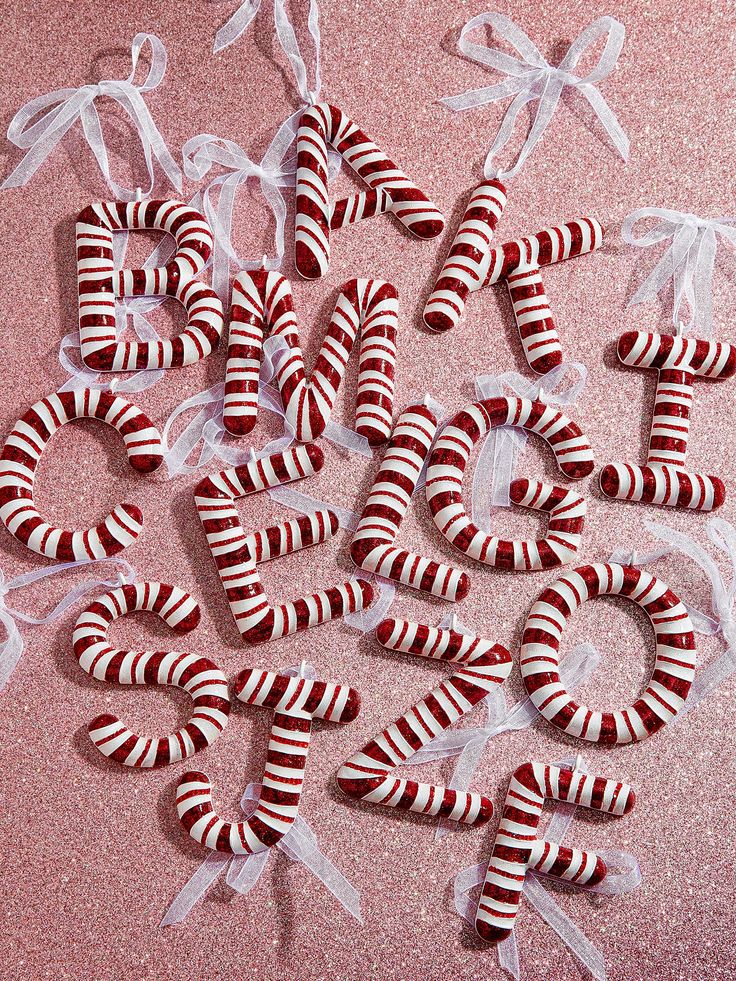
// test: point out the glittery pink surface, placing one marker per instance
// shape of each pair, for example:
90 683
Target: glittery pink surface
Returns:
93 853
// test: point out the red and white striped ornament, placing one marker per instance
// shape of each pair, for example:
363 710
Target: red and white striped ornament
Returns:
99 285
21 455
474 263
262 304
198 676
517 848
368 774
295 702
373 546
674 667
449 460
238 554
665 480
321 126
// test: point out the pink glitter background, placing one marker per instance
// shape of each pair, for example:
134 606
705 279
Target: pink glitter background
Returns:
93 853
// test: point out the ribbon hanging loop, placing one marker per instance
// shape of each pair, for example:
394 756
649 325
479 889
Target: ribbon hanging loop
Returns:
688 261
530 78
62 109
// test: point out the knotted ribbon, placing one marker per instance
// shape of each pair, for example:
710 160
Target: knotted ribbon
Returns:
205 151
468 744
623 876
688 261
299 844
530 77
494 470
64 107
12 647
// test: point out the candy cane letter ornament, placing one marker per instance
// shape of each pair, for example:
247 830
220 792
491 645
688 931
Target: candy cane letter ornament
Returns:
373 548
262 303
473 263
674 667
322 125
517 847
199 676
237 555
664 480
367 775
449 459
295 702
22 453
100 284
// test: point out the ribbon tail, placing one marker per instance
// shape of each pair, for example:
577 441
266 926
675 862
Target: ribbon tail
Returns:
607 119
245 871
195 889
707 679
508 957
570 934
300 845
465 881
11 650
232 29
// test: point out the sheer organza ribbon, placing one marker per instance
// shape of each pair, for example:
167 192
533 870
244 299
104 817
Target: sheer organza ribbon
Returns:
623 876
723 620
688 261
494 470
62 109
275 172
12 647
530 77
468 744
201 154
299 844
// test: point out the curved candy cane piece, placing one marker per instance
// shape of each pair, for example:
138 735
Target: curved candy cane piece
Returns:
517 848
372 548
367 775
262 303
21 455
664 480
100 284
466 266
674 667
319 126
237 555
295 702
449 459
196 675
474 264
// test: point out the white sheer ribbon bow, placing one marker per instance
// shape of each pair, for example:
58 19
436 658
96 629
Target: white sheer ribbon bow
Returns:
688 261
468 744
723 620
243 871
623 876
203 152
530 77
12 647
494 470
64 107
